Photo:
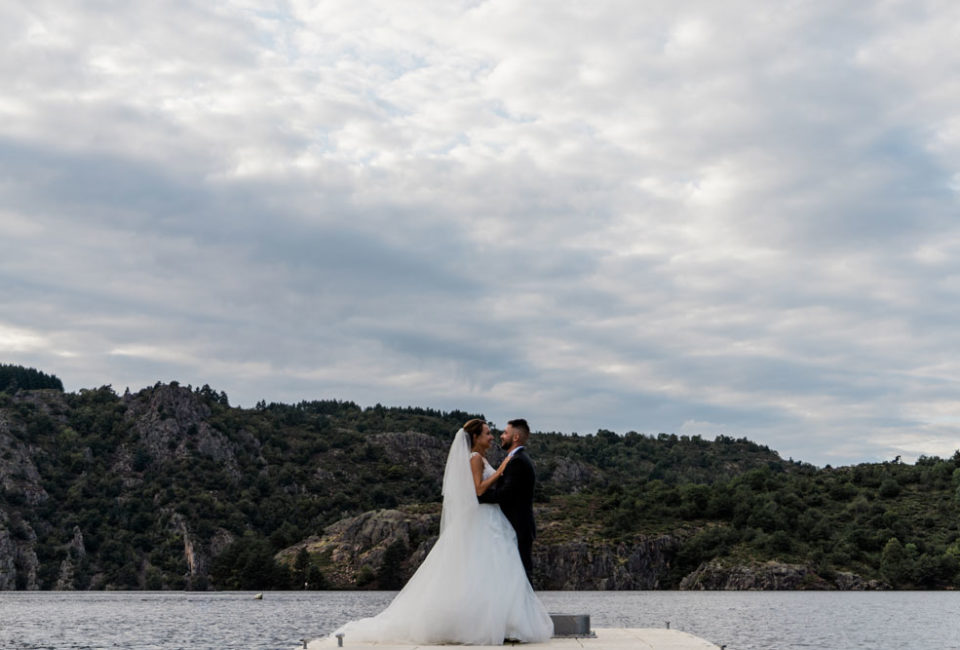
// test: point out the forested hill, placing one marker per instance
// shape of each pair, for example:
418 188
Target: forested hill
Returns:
13 378
172 488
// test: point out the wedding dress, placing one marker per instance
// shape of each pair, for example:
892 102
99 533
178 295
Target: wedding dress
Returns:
471 588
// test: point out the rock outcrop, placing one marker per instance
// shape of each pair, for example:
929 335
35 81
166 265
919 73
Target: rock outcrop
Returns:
170 420
76 552
769 576
847 581
19 477
352 547
18 557
643 563
21 487
569 474
198 555
427 453
356 546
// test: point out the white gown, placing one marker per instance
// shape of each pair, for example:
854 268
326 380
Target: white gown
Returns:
471 588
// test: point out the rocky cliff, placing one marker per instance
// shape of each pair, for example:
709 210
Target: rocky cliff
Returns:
21 487
19 477
171 422
770 576
352 551
18 557
642 563
427 455
158 425
568 474
76 553
355 549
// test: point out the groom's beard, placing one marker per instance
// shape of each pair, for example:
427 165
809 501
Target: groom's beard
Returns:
506 446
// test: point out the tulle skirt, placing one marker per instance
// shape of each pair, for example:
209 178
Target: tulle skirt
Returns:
471 589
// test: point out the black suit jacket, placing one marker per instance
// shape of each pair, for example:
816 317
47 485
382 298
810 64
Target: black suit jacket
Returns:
514 493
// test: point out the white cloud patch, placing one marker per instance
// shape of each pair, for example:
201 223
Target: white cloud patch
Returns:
700 219
15 339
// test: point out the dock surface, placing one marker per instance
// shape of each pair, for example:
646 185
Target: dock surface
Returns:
605 639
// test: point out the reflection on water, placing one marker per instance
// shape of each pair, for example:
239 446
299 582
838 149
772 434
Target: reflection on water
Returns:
228 620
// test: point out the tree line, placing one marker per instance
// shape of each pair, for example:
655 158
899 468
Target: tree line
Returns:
14 377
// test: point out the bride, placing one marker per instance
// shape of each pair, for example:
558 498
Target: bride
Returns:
471 588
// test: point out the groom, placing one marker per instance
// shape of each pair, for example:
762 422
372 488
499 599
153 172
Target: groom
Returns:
514 490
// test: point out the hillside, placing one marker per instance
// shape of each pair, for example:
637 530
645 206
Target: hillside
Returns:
172 488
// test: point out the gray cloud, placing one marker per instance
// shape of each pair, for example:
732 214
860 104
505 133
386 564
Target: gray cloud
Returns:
705 219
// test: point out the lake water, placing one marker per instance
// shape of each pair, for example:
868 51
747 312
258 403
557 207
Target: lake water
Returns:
232 620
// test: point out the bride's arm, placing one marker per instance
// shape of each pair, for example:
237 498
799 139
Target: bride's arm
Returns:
481 484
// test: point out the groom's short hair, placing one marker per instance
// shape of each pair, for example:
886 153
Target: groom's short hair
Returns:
521 425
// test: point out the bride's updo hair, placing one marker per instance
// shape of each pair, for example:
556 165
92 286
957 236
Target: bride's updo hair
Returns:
474 428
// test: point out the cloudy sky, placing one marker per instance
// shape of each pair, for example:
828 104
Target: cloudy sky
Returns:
707 218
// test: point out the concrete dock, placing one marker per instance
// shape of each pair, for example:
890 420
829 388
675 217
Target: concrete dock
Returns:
605 639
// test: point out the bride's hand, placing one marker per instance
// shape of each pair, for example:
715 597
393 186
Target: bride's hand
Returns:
503 464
